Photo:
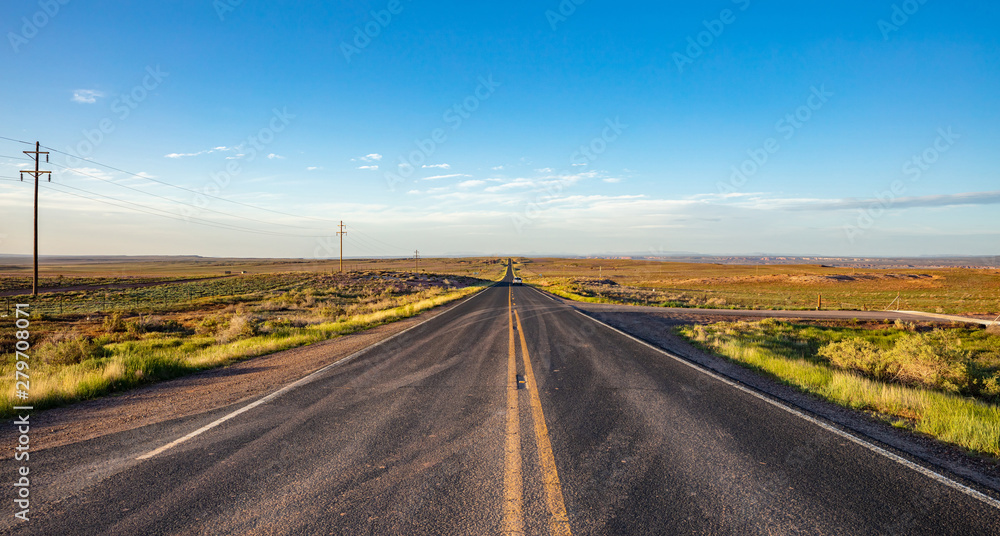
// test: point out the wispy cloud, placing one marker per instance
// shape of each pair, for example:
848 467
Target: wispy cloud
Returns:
437 177
369 168
940 200
90 173
221 148
612 180
373 157
470 184
87 96
313 168
440 166
274 156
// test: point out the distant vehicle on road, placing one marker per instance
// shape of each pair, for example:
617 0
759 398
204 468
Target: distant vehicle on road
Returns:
517 280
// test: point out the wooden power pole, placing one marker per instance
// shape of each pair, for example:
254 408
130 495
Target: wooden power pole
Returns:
416 260
37 173
341 232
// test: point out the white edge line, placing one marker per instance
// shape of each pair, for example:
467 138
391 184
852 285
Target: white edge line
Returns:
301 381
846 435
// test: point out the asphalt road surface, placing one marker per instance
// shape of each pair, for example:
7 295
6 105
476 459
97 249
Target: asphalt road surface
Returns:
445 430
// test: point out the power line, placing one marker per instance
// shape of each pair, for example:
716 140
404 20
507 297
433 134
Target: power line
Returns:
18 141
190 190
162 213
373 239
15 157
165 214
77 171
363 248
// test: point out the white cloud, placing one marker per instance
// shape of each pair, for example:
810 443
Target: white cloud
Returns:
370 168
413 192
470 184
516 183
612 180
86 96
273 156
373 157
221 148
312 168
498 168
441 166
436 177
925 201
545 170
91 173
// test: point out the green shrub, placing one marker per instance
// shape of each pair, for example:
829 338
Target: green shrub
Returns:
208 326
934 359
862 356
69 352
241 325
113 323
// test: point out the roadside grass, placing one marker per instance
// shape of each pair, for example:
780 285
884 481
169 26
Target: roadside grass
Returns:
961 411
127 353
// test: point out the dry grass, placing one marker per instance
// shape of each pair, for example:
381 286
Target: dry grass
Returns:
793 355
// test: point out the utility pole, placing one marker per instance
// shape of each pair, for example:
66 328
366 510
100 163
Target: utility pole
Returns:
37 173
416 260
341 232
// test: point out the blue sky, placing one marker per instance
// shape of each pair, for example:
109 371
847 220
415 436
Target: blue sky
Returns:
586 127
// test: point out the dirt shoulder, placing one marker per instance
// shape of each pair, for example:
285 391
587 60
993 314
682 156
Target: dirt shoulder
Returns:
204 391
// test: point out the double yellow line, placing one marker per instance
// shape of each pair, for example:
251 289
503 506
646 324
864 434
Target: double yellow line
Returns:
513 519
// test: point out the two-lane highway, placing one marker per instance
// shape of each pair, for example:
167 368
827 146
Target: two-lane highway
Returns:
433 433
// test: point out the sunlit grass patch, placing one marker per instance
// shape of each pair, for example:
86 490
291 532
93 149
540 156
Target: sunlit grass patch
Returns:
961 413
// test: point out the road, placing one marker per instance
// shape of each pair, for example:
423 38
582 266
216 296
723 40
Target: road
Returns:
431 432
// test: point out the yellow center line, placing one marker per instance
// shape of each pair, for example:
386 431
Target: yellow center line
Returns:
513 521
558 519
